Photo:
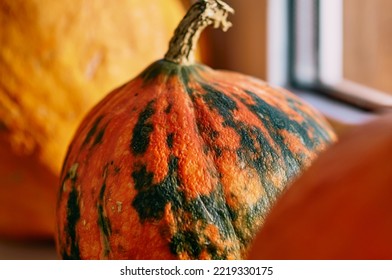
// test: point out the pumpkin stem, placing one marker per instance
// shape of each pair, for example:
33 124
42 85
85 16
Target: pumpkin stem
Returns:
201 14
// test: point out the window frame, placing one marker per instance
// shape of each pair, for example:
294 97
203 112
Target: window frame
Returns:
305 51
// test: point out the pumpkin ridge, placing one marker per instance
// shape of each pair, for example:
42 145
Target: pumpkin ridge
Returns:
147 190
282 120
252 139
190 75
310 118
272 115
242 129
228 104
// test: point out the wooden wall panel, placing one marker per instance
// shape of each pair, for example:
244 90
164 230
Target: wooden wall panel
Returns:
368 43
243 47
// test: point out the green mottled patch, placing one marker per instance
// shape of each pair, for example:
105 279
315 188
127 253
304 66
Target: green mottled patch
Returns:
103 221
191 216
320 134
98 138
167 68
73 216
142 130
188 242
72 173
142 178
251 137
72 176
170 140
159 68
152 198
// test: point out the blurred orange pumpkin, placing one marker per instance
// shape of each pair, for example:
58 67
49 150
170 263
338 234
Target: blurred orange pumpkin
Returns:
57 59
340 208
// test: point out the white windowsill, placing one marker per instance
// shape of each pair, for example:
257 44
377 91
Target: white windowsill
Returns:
336 110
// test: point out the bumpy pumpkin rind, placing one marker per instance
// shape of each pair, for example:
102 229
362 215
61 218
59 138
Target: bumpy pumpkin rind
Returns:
341 205
183 162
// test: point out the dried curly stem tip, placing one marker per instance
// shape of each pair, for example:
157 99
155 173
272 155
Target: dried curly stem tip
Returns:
202 14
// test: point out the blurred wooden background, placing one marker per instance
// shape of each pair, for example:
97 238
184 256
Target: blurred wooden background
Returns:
368 43
243 47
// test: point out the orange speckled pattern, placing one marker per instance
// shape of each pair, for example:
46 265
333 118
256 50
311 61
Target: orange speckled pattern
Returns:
183 162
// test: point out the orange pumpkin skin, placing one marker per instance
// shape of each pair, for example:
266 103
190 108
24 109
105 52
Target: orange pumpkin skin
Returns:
56 62
182 162
340 208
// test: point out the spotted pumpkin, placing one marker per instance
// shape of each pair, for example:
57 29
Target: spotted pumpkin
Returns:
183 161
